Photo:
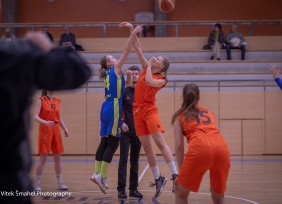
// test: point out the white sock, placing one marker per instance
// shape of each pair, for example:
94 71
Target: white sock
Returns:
156 172
37 180
172 167
59 178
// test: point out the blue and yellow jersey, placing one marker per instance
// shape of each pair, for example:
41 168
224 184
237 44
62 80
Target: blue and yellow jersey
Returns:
114 86
111 110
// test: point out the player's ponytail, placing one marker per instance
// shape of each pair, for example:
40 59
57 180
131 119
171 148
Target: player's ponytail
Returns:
103 69
188 108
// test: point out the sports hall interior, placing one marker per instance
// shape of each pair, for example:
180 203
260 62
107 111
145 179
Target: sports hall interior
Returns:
241 93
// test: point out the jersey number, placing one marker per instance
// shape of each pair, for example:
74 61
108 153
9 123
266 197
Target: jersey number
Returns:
203 118
107 82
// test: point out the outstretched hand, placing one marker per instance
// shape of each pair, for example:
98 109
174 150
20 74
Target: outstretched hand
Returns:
138 29
274 68
127 25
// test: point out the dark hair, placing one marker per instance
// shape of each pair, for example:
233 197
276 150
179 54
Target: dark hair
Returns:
166 65
134 68
190 95
103 69
44 92
219 26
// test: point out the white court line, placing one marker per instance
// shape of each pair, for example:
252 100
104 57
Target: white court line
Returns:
114 191
237 198
143 172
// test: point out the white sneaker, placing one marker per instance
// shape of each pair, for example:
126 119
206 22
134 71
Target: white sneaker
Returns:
92 178
100 182
37 187
62 187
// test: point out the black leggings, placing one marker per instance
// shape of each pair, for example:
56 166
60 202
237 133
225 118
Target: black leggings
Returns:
107 148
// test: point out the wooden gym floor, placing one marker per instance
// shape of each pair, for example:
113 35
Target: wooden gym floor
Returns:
252 179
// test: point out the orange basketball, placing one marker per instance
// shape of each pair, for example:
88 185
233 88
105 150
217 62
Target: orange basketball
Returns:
166 5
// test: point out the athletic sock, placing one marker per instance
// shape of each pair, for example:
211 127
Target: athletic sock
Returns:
156 172
37 180
98 165
172 167
104 169
59 178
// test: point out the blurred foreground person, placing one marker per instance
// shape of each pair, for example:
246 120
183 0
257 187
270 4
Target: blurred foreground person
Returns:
26 65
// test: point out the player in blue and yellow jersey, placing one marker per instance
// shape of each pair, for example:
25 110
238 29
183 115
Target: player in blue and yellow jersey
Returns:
110 115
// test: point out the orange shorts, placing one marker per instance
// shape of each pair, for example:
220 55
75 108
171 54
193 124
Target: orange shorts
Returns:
50 139
205 152
147 120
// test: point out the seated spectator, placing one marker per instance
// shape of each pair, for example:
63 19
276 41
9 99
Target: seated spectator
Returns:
68 38
45 30
274 68
8 36
235 40
216 41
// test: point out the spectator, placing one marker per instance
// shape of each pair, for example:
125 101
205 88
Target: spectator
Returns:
235 40
274 68
216 41
45 30
68 38
8 36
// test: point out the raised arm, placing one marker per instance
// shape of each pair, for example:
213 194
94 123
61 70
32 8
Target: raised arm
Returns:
139 52
127 50
136 44
274 68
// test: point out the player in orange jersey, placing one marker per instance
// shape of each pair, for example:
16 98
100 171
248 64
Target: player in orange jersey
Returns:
146 117
207 150
47 113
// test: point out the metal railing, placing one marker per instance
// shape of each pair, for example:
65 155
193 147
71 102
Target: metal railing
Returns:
175 24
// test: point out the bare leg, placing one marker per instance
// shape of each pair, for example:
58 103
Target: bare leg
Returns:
217 198
148 148
162 145
41 164
57 163
181 194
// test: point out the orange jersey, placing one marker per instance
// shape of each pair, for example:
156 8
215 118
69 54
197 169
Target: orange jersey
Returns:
207 150
50 109
145 94
50 136
204 123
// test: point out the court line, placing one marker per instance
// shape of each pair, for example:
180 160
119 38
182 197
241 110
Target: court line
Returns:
142 161
237 198
143 173
208 194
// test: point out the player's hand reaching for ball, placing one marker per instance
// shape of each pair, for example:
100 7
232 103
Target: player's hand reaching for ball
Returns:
127 25
138 29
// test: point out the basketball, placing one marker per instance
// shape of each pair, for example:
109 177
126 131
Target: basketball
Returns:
166 5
